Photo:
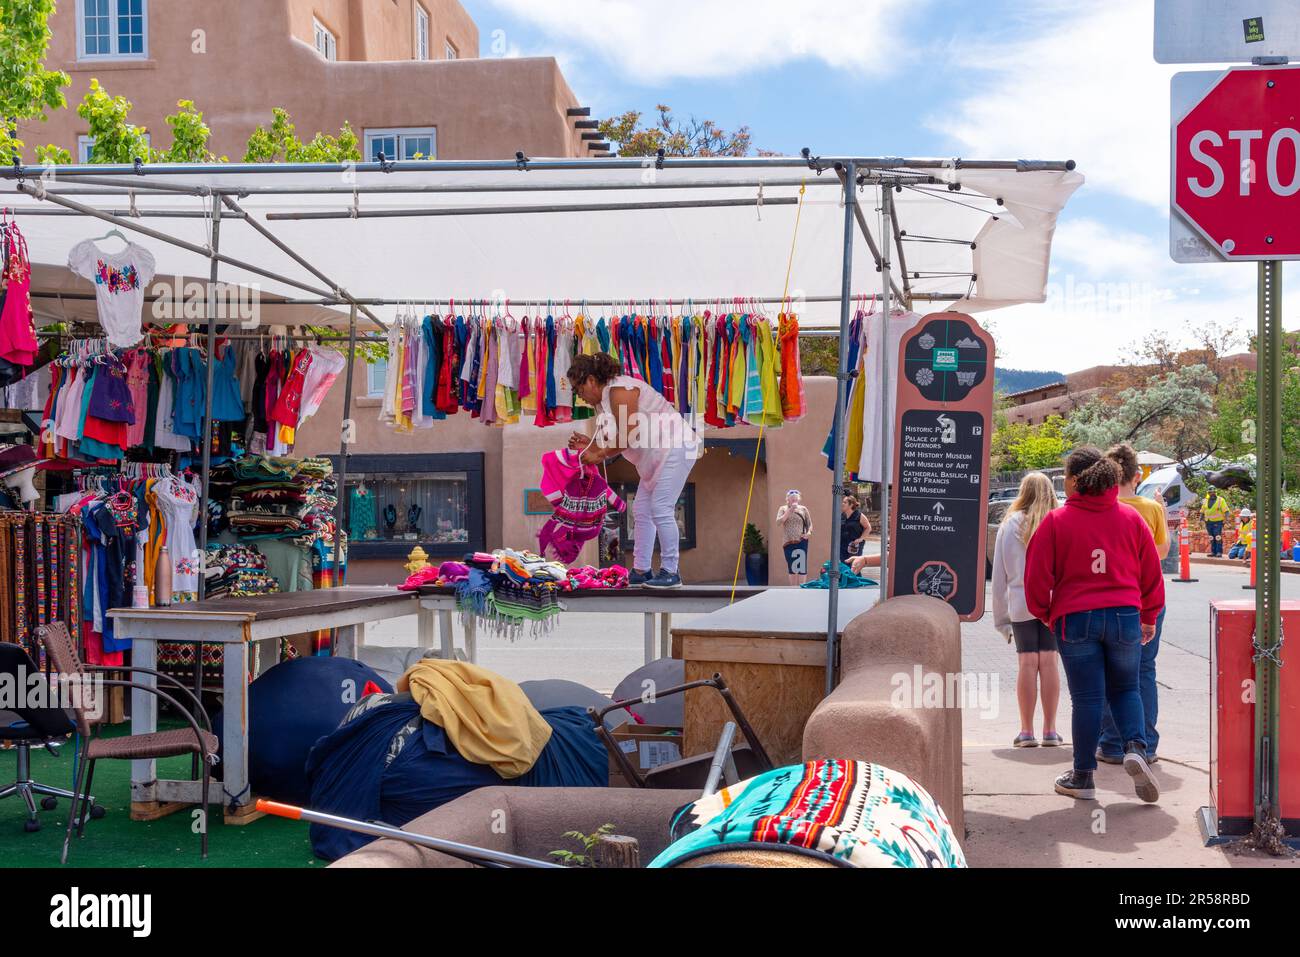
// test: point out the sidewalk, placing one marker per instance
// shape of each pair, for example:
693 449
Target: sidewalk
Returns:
1013 817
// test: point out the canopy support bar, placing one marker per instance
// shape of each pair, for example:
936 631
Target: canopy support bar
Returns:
345 428
841 419
207 402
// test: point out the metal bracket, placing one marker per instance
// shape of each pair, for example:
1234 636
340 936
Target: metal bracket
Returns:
814 162
385 164
139 166
659 158
1270 60
521 161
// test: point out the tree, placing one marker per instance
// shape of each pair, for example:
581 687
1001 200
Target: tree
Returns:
1016 446
1237 415
280 144
27 89
1171 413
691 138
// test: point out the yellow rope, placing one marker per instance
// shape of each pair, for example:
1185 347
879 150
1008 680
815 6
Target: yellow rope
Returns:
762 425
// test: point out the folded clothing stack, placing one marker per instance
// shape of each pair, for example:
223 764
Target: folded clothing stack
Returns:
448 573
237 570
510 590
589 578
269 497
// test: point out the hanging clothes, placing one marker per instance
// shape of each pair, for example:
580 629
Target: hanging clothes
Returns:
874 403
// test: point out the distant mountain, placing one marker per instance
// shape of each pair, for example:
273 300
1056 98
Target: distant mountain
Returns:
1017 380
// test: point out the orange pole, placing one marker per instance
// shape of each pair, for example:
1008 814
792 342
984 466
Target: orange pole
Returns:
1286 531
1184 552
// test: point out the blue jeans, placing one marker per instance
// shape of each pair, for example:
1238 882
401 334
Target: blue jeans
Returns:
1215 530
1110 742
1101 651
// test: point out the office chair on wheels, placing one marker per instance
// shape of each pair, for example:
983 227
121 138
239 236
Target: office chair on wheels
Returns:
27 728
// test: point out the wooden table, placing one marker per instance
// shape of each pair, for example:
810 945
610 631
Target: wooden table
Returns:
237 624
652 603
771 649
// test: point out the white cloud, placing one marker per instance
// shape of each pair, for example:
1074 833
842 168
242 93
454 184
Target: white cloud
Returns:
654 43
1083 86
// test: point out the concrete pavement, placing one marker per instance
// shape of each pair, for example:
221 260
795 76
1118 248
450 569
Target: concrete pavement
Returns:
1013 817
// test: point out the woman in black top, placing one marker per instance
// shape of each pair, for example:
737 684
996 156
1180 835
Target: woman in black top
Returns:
854 528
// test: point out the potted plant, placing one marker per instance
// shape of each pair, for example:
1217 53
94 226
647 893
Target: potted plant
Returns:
755 550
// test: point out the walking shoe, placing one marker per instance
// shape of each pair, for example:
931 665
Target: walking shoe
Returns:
1052 740
1025 739
638 577
1105 758
664 579
1076 784
1144 782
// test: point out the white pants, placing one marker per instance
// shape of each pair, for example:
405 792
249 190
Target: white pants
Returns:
654 512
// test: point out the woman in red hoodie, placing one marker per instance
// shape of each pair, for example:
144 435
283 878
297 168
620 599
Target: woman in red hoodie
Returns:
1093 576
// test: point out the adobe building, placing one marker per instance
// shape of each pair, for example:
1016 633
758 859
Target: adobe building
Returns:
406 74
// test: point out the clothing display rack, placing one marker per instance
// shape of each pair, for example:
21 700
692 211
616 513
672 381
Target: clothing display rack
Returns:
217 187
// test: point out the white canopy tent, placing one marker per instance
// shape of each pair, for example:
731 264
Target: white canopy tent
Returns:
321 242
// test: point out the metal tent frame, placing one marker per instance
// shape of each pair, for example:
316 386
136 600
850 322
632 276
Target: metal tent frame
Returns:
888 174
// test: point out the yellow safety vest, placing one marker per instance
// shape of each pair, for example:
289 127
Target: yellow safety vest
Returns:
1216 510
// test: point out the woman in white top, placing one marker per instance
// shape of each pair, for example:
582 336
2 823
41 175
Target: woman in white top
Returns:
637 422
1035 644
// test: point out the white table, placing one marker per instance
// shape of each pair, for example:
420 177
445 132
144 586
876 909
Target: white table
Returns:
657 605
238 625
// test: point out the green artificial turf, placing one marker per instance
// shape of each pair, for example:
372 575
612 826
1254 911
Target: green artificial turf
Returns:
116 841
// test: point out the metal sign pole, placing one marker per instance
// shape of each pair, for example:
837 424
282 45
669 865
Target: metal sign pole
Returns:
1268 615
841 426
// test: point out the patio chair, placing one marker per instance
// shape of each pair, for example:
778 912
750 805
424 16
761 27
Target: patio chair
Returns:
196 739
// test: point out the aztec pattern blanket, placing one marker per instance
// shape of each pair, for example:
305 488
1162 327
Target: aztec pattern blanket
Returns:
851 813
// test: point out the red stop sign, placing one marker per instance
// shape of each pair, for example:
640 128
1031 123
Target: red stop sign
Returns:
1236 164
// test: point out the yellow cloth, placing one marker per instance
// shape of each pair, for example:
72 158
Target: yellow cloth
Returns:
487 717
1215 510
1153 513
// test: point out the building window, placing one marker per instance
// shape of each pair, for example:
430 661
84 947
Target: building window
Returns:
404 144
112 29
450 51
376 373
421 33
326 44
86 148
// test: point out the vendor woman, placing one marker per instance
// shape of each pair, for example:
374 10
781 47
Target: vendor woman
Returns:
635 421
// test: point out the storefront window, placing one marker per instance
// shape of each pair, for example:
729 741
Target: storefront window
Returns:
395 502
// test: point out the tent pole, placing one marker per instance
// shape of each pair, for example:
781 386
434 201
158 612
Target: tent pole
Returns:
841 393
288 251
882 373
127 223
207 398
340 491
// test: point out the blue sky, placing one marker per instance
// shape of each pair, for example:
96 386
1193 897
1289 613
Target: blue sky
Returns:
1042 79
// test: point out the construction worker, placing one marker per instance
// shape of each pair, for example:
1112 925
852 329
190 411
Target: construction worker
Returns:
1215 510
1245 535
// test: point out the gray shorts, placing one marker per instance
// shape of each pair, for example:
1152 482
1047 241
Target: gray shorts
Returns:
1032 636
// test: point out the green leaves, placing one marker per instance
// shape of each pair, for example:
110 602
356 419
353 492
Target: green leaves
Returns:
280 144
27 89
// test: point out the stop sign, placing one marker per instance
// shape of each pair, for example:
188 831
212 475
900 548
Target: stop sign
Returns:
1236 164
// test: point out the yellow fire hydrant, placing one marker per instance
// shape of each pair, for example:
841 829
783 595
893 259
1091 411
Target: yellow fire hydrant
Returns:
417 560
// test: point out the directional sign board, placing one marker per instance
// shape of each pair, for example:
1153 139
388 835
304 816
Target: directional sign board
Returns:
1235 165
940 497
1225 31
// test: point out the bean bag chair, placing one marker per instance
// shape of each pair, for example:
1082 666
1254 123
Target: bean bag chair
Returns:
290 707
822 813
546 693
387 763
667 712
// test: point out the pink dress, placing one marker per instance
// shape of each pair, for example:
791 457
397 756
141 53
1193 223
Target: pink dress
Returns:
17 334
137 383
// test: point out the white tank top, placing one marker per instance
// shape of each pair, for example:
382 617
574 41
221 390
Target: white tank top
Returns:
657 430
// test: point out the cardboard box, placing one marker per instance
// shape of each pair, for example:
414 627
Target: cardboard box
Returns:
646 746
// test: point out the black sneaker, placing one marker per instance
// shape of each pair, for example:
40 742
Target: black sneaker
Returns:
1105 758
638 577
1144 782
1076 784
664 579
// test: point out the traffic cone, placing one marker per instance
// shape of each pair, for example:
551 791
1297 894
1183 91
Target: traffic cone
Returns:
1184 554
1286 532
1254 551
